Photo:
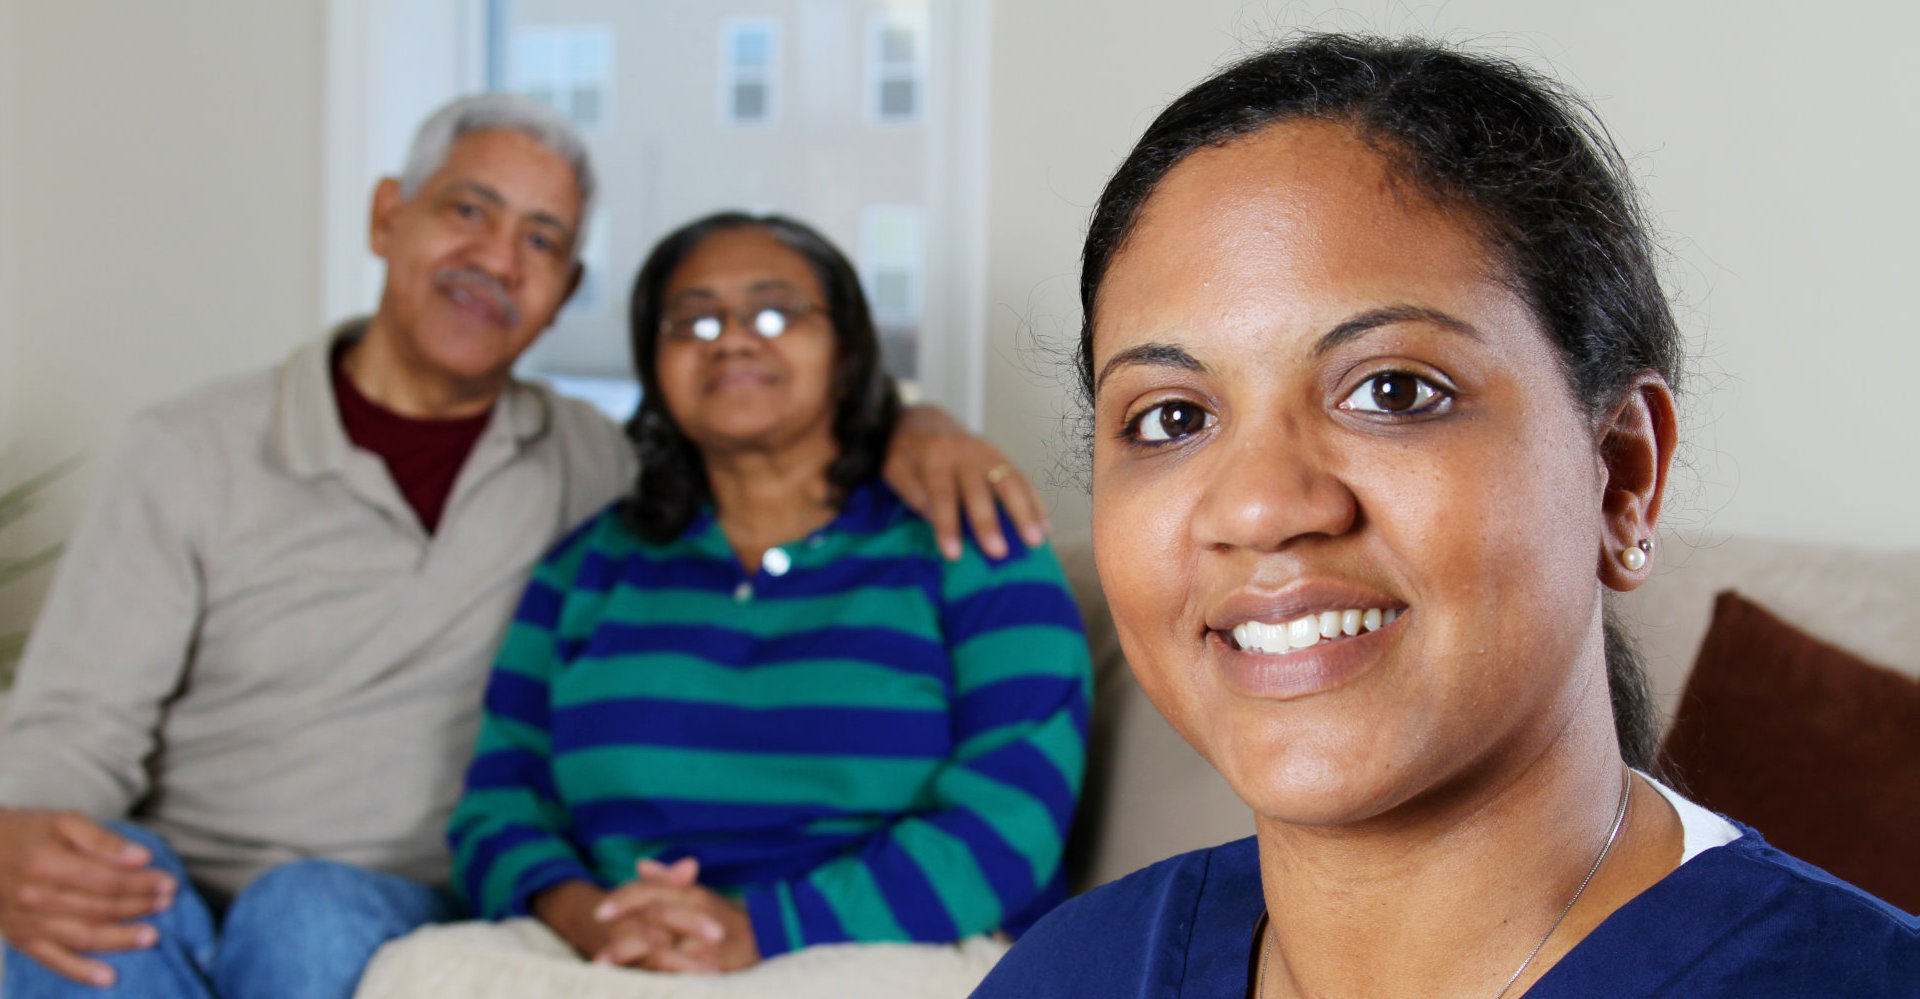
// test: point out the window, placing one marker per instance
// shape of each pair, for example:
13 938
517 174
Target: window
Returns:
750 71
896 67
567 66
790 128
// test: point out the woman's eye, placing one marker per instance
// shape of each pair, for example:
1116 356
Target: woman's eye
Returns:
1398 393
1170 421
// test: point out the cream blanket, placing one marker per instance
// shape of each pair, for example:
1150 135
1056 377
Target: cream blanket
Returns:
522 959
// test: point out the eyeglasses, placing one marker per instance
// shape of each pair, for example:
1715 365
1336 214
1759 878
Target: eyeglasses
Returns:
705 322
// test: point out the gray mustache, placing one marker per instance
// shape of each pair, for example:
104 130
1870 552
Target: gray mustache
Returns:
479 282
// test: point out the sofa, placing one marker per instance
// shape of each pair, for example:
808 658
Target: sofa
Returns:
1148 795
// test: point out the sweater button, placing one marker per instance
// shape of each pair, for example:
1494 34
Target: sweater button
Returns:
743 592
776 561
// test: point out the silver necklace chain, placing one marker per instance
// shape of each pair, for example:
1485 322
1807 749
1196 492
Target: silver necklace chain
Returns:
1619 821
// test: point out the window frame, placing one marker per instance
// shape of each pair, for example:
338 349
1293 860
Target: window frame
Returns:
392 62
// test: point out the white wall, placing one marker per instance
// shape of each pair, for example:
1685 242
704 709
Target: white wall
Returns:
1776 146
161 182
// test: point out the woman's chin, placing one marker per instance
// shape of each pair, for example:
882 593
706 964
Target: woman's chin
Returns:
1309 785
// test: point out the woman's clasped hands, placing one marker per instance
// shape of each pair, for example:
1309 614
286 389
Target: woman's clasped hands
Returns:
662 920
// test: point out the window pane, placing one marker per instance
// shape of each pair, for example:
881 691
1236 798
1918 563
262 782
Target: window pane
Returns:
535 63
900 352
893 233
749 101
897 98
589 53
892 291
586 105
897 44
750 48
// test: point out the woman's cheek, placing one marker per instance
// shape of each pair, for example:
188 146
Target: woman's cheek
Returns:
1140 532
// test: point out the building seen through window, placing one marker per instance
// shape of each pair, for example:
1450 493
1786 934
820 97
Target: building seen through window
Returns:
749 70
896 62
824 110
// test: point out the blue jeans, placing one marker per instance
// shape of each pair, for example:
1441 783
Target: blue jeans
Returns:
303 930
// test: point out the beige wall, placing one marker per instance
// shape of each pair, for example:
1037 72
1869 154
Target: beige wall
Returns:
159 221
9 368
1776 145
160 182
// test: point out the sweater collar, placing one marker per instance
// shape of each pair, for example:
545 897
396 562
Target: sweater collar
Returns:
312 440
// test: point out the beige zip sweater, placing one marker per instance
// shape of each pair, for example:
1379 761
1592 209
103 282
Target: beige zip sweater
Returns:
252 647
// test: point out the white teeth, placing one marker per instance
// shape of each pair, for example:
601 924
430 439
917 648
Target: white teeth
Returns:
1310 630
1304 633
1329 624
1255 635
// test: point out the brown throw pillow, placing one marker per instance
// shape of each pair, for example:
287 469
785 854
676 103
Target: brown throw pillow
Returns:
1815 748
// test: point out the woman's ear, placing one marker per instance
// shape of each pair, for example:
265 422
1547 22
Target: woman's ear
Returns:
1636 450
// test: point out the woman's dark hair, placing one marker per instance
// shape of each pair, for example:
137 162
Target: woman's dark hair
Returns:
865 400
1529 163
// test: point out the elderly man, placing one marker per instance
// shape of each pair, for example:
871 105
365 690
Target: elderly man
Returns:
266 646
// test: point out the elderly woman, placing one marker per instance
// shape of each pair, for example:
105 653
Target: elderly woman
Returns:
1379 371
752 708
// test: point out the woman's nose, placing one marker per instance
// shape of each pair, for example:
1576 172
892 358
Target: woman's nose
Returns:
737 331
1268 488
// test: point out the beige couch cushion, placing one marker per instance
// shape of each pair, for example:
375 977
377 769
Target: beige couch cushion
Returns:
1858 600
1148 795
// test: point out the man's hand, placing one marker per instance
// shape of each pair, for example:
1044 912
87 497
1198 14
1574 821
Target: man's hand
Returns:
941 471
69 886
665 921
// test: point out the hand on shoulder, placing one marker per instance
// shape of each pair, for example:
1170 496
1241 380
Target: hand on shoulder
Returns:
945 473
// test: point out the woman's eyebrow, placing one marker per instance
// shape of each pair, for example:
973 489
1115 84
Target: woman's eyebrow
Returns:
1158 354
1387 316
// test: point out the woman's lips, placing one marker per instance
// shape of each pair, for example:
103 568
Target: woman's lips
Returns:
1262 659
738 376
1311 629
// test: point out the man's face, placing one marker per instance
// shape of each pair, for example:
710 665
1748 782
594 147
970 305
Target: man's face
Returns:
479 259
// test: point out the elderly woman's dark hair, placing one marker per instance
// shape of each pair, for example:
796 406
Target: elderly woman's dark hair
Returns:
865 407
1530 165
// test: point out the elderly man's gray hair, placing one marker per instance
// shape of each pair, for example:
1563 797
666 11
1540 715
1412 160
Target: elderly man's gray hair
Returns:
479 112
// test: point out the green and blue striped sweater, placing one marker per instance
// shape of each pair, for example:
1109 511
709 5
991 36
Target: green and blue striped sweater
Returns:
860 740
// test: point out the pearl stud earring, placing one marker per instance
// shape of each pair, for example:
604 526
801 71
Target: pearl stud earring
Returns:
1635 558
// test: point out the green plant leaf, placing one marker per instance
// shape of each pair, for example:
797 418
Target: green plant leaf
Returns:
10 648
12 569
15 502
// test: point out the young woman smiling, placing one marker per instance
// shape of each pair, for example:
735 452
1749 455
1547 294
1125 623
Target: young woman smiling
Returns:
1379 371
